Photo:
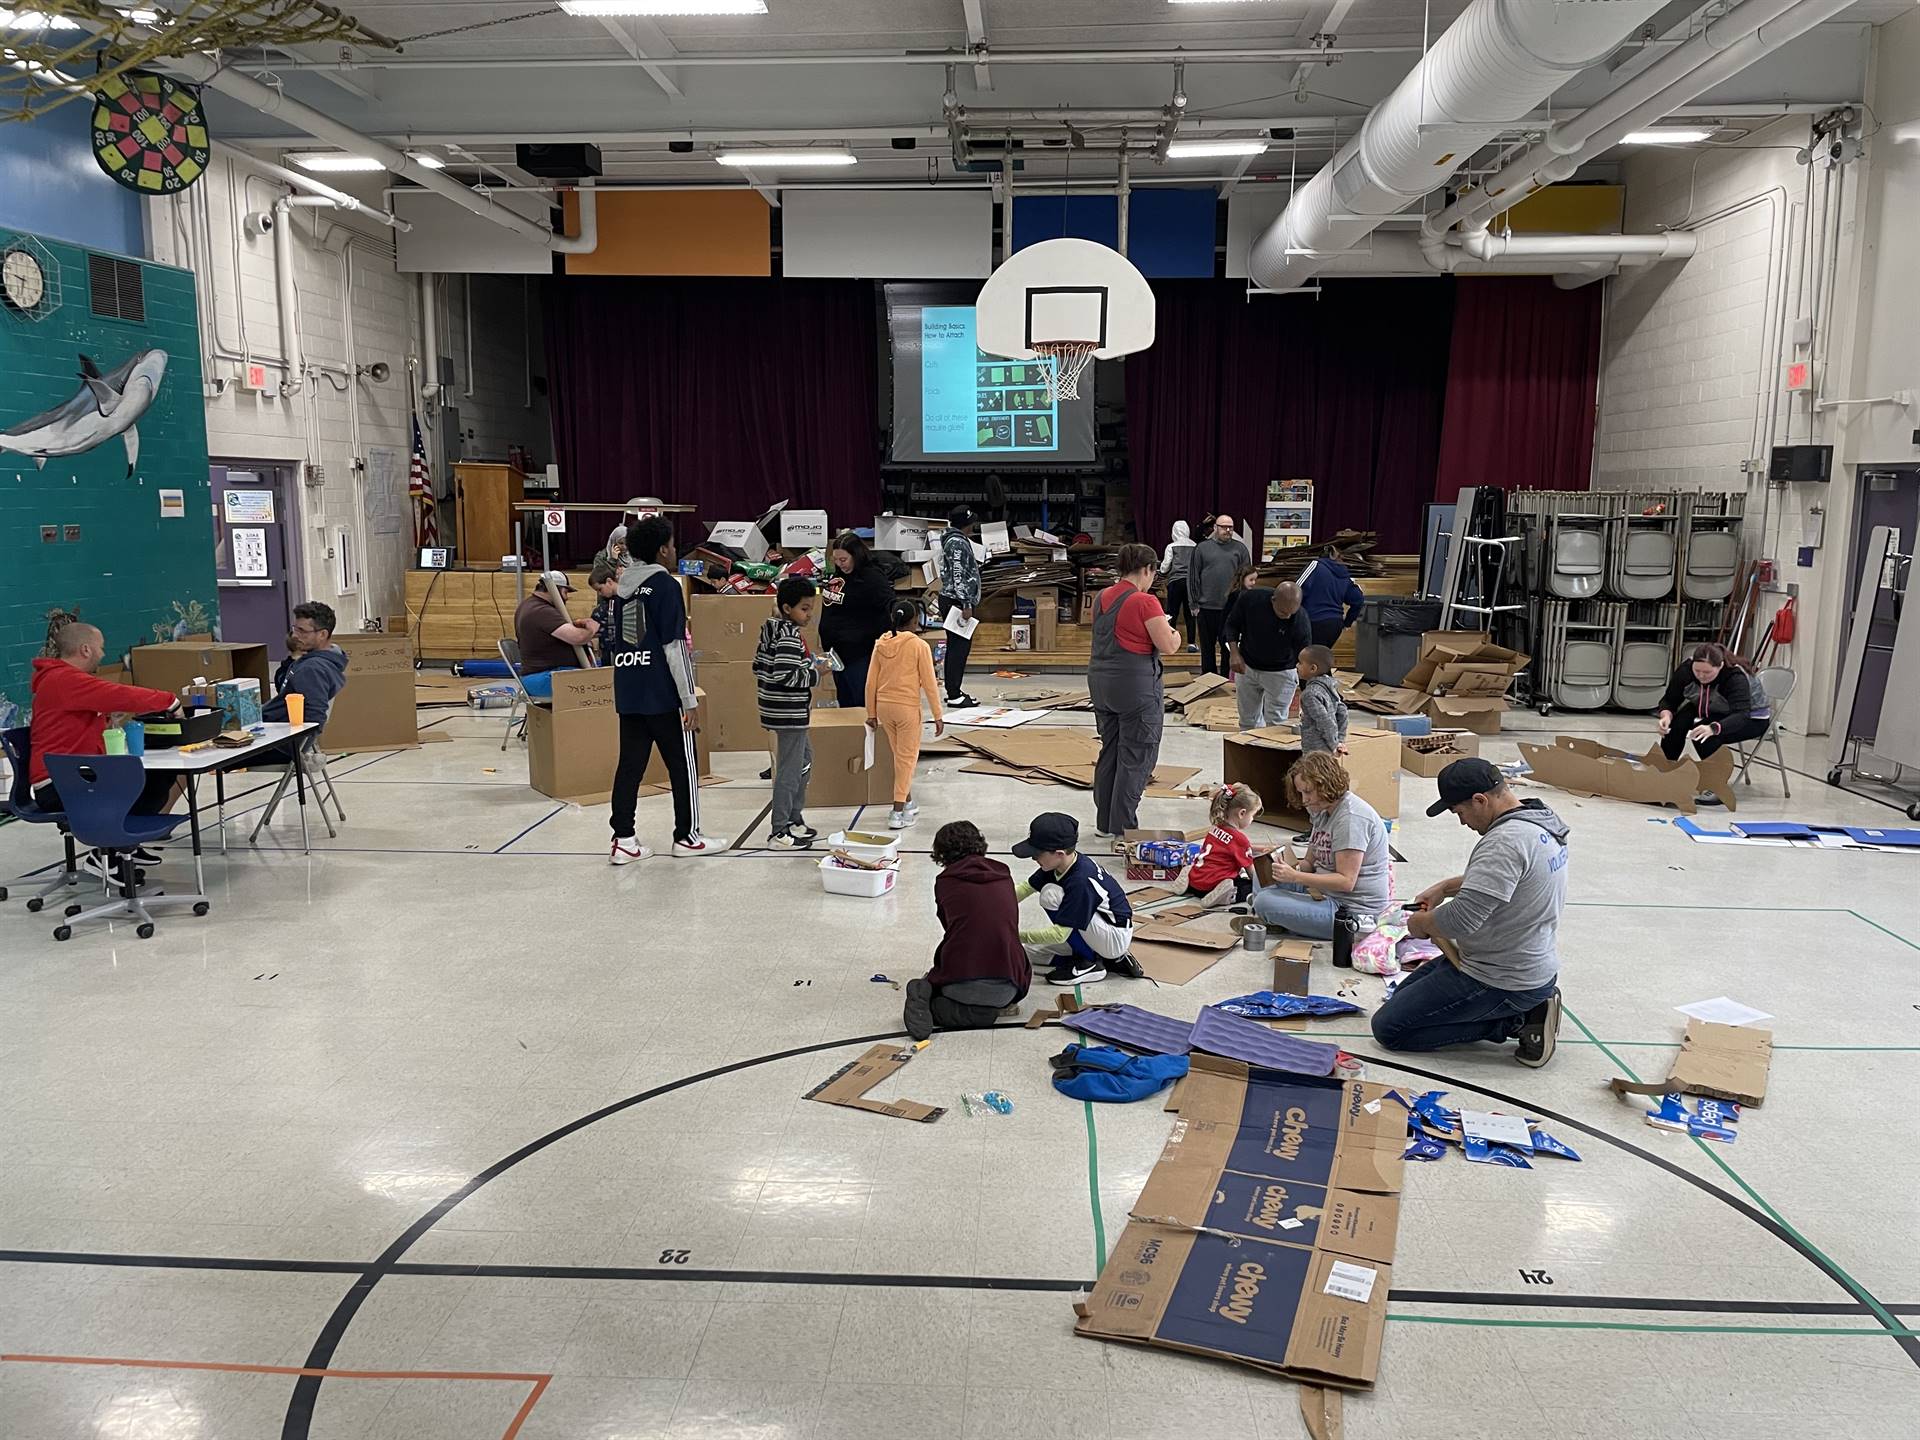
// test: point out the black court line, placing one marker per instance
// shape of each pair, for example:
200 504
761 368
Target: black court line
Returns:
530 829
1492 1299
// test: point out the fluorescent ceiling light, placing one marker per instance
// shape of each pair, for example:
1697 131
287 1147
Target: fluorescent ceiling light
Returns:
1211 2
1674 136
783 159
337 161
664 7
1209 149
426 161
34 20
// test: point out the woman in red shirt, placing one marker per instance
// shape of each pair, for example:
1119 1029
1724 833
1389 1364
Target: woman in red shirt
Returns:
1130 634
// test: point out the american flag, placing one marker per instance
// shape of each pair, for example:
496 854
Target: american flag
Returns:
426 524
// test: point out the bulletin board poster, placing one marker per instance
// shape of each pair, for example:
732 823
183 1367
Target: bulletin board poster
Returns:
249 507
249 554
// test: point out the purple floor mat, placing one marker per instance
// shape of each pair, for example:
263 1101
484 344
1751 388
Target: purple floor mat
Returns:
1219 1033
1136 1029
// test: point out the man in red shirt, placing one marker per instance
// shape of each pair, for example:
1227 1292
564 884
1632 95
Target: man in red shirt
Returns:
71 706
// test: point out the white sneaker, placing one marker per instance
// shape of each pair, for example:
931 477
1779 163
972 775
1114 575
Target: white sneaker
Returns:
625 850
695 845
899 820
790 840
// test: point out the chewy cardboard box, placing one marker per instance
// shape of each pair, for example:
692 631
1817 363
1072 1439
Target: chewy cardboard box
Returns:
1261 758
376 710
1428 755
1294 1182
178 663
573 740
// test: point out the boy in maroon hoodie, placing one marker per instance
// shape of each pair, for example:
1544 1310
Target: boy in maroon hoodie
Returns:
979 966
71 706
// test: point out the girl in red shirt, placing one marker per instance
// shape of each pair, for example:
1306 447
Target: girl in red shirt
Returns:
1223 873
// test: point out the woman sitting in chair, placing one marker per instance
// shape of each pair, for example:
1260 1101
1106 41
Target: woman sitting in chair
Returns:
1711 701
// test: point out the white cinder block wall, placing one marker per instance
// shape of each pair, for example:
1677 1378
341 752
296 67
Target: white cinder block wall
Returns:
354 310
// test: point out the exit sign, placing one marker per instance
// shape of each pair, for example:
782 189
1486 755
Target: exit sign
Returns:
1799 375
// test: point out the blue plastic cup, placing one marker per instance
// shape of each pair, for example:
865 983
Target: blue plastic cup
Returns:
136 734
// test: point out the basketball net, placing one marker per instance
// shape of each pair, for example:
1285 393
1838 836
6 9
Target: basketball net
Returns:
1070 360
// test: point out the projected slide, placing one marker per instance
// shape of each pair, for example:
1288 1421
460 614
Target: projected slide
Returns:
970 400
955 404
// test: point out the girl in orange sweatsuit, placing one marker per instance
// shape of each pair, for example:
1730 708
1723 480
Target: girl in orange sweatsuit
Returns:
901 672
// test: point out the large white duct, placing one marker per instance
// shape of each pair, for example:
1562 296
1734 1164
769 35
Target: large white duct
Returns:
1487 71
1716 53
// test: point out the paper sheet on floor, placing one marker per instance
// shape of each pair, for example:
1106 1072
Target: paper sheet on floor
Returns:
1722 1011
994 717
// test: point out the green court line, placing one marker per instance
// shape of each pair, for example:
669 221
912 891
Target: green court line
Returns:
1875 1333
1883 930
1093 1175
1860 1292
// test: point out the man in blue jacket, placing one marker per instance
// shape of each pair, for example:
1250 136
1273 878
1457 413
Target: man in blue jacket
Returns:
653 691
315 667
1331 599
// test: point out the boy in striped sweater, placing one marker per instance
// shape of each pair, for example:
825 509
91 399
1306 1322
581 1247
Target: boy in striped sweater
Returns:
785 672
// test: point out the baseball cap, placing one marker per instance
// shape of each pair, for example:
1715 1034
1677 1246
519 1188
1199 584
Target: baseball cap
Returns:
557 579
1050 831
1464 779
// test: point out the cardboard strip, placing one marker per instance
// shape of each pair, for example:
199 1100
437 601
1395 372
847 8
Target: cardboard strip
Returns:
849 1085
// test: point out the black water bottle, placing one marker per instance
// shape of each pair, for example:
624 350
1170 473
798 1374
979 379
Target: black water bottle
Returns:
1346 929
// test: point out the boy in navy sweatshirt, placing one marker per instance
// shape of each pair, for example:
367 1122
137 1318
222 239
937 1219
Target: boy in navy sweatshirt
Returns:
652 660
785 672
1089 925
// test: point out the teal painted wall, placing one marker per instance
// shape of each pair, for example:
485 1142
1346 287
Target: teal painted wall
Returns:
130 567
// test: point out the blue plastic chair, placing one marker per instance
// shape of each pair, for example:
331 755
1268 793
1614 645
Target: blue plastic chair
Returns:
99 792
19 804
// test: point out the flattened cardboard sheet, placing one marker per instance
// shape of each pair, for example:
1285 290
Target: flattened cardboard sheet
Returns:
848 1086
1726 1062
1586 767
1173 964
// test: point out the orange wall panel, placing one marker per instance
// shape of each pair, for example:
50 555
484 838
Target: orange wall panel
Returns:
676 232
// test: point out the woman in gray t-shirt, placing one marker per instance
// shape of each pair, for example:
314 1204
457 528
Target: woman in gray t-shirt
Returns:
1347 865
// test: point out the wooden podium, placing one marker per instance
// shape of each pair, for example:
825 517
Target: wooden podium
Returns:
484 494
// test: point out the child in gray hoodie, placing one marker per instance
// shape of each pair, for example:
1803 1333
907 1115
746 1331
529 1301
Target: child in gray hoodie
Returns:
1323 714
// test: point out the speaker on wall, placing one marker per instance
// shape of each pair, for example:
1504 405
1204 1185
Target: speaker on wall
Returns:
558 162
1801 462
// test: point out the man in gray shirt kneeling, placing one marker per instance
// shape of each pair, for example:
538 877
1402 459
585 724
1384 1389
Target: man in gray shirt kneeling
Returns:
1501 919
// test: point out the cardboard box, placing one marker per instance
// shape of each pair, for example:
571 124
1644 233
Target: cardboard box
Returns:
573 740
843 758
804 529
1293 1183
731 718
1428 755
1261 758
1046 614
726 628
1726 1062
377 709
1586 767
1293 967
178 663
741 535
904 532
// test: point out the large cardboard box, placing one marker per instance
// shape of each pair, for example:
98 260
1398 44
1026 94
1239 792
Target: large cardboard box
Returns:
1274 1217
1261 758
727 627
732 711
376 711
804 529
177 663
573 740
904 532
844 752
1587 767
1046 614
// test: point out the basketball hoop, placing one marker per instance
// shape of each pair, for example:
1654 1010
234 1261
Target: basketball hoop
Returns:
1065 303
1066 361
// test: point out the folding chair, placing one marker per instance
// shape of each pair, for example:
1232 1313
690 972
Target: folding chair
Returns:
510 652
99 793
19 803
1776 682
314 764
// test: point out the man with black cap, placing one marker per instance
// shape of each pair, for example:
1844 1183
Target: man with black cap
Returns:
1090 923
1497 923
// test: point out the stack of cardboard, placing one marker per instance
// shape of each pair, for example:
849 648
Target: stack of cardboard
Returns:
1048 756
465 614
1428 755
1460 681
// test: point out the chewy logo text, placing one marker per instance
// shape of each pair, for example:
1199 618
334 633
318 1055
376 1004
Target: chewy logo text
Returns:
1246 1288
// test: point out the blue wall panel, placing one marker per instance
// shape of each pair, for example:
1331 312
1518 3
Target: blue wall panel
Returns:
1170 232
50 184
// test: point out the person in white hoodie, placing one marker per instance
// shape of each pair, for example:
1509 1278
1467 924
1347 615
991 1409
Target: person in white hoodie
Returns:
1173 570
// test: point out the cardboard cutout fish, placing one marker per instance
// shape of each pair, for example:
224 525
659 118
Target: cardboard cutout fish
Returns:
104 406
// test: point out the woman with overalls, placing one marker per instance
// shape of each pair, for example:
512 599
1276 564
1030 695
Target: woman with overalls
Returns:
1130 634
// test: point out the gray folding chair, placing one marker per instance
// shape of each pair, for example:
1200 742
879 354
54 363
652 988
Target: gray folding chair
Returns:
314 765
1776 682
510 652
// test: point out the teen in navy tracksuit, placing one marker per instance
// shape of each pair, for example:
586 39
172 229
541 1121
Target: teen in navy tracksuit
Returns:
653 690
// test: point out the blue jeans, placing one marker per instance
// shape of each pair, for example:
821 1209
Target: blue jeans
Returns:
1440 1005
1292 909
540 687
850 684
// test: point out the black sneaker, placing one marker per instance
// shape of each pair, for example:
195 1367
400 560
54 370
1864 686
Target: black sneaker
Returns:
963 701
919 1009
1127 968
1539 1031
1707 797
767 774
1076 972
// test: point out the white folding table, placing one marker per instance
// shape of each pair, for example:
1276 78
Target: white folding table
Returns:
216 760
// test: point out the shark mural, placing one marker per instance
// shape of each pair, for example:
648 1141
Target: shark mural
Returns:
104 406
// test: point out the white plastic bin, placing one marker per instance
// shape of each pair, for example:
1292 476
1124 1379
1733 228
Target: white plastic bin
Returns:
887 849
868 884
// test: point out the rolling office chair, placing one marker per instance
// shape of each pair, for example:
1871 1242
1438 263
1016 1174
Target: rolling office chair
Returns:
510 652
99 792
19 804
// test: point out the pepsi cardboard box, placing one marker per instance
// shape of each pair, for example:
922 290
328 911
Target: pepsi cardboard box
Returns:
1266 1231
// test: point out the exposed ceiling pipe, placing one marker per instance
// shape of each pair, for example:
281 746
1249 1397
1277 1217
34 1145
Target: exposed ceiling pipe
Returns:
269 100
1389 254
1488 69
1718 52
312 186
1627 249
1237 55
286 297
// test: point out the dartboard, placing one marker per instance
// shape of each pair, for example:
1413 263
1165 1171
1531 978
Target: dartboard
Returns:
149 133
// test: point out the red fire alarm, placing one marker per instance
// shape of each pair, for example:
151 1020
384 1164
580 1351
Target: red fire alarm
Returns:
1799 375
